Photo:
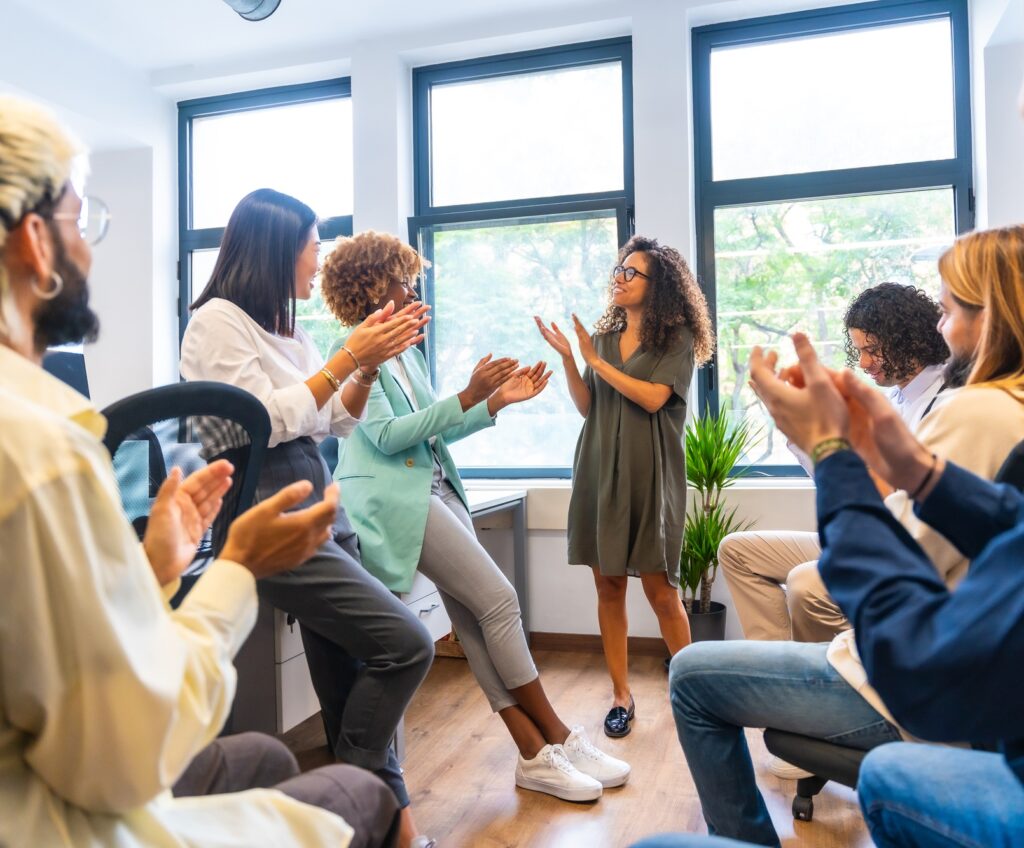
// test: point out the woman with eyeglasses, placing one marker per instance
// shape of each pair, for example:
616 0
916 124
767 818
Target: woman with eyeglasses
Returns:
409 508
367 652
628 504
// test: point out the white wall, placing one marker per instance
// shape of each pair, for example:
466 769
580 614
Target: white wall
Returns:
1004 138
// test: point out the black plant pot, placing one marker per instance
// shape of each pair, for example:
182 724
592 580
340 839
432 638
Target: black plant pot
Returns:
708 626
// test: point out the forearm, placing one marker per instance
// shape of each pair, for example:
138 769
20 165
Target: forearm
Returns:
392 434
649 396
354 396
578 390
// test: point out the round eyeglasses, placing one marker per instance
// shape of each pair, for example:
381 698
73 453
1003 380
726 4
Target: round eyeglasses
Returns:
627 273
93 220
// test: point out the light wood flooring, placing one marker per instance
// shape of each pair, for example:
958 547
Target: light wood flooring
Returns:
460 764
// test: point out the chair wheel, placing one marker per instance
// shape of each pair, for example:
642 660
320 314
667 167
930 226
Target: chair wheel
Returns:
803 808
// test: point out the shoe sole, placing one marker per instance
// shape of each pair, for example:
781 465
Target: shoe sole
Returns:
582 794
626 732
614 782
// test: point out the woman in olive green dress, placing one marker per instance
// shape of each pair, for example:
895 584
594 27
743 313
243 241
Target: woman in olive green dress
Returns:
628 503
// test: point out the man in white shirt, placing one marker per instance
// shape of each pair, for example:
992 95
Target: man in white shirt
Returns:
105 694
773 575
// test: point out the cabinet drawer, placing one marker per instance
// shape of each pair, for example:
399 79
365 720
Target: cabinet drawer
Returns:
298 699
421 587
287 638
432 613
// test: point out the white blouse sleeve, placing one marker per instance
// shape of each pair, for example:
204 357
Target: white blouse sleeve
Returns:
218 347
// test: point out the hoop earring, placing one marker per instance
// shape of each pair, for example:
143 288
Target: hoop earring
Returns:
53 291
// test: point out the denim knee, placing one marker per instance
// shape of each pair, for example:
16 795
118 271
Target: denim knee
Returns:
417 648
883 769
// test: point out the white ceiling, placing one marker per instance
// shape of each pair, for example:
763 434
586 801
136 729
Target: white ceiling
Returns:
155 35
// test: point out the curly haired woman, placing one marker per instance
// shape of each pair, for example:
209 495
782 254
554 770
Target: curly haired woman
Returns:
409 508
628 503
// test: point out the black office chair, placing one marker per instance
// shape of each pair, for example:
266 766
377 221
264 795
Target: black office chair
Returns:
68 366
825 760
156 429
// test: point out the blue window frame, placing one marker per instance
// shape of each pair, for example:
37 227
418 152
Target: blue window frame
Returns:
868 185
517 217
271 149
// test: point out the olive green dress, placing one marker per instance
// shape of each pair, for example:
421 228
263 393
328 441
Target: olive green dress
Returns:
628 504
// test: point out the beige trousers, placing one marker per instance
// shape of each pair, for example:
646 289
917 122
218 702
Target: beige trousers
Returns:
774 581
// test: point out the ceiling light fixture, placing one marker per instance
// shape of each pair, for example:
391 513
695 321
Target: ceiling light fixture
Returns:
254 10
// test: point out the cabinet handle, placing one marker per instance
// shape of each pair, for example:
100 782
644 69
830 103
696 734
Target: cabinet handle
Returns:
430 609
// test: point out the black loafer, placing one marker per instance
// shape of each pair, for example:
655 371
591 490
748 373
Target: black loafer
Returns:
616 723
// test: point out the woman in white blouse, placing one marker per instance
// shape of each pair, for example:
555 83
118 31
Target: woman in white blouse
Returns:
367 652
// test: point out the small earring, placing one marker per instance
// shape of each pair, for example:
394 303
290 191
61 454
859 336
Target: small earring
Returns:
53 291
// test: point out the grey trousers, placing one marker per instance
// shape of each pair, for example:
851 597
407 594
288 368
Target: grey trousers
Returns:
481 603
256 761
367 652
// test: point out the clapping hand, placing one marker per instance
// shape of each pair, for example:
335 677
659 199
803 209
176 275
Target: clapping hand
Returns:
181 514
386 333
524 384
587 349
554 337
487 376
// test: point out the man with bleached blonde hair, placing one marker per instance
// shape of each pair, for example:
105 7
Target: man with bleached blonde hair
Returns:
106 695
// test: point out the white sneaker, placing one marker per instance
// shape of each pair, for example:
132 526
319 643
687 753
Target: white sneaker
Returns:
551 772
787 771
592 761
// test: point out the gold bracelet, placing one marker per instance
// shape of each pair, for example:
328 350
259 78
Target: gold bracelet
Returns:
827 447
330 378
354 360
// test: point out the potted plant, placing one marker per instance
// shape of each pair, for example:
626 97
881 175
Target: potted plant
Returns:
713 445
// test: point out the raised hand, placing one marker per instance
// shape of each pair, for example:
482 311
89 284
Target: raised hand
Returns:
486 377
181 514
587 349
554 337
805 403
882 438
267 539
524 384
386 333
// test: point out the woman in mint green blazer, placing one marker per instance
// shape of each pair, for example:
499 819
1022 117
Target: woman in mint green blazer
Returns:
407 504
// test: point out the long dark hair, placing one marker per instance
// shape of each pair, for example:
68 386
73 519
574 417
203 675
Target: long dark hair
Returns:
674 301
255 269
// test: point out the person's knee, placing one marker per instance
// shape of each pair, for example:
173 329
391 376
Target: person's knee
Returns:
883 769
276 763
804 586
665 602
417 646
611 589
732 553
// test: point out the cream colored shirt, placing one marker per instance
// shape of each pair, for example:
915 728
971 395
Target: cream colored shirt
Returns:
105 694
976 427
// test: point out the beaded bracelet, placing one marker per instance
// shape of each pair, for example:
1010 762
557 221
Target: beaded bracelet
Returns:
365 380
827 447
330 378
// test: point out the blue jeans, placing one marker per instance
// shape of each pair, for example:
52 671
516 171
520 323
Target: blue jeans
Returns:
931 796
719 688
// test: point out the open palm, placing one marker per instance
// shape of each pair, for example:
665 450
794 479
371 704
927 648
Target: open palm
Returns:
524 384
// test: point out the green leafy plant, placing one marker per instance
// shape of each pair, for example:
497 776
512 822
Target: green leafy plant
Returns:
713 445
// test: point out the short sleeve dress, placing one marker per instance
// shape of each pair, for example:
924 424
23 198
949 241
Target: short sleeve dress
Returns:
628 503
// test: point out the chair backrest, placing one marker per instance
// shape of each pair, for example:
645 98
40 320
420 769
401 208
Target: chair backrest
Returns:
68 366
1011 471
154 430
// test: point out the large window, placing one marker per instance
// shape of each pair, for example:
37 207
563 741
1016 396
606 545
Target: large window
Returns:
296 139
524 192
833 152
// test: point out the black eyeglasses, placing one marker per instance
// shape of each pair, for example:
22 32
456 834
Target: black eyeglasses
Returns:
627 273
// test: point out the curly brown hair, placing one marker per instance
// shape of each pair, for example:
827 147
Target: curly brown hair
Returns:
674 301
357 273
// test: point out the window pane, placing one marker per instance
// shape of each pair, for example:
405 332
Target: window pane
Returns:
527 135
310 314
866 97
303 149
490 279
783 267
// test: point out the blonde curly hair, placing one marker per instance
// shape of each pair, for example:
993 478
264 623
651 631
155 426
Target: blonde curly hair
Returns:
357 273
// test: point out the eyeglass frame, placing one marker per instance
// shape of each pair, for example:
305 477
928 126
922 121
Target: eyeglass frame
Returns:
628 273
91 206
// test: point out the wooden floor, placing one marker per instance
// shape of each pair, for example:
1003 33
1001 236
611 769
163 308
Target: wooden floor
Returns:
460 766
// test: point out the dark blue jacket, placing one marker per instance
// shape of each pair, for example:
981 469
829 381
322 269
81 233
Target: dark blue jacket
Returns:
948 665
